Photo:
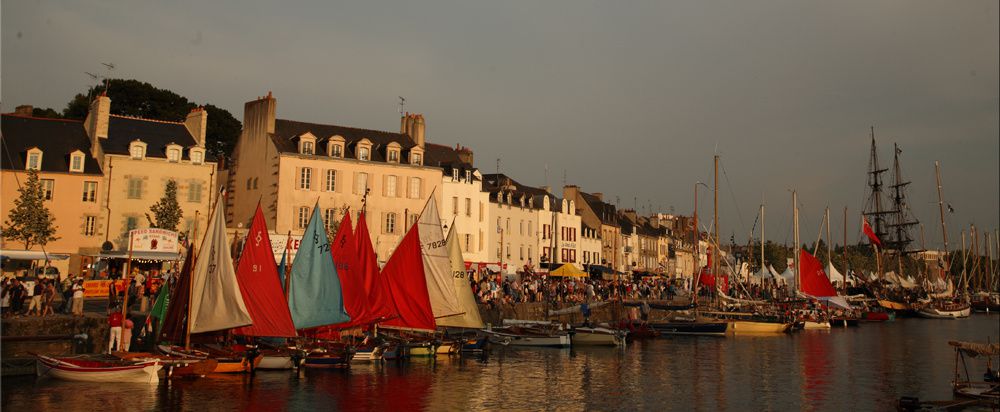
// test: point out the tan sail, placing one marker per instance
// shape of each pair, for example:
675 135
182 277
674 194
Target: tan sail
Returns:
437 269
216 302
471 318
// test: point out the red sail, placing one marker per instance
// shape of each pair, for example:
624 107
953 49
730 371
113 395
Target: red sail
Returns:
405 274
707 279
352 280
257 275
811 275
380 304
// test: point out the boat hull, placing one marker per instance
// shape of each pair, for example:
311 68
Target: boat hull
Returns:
692 328
556 341
234 365
597 337
421 351
367 355
475 345
810 325
140 373
325 361
934 313
751 327
844 322
275 362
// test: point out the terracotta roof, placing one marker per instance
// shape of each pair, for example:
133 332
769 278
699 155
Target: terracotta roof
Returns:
56 138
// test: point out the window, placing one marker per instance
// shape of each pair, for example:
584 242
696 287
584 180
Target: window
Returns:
89 191
197 156
305 178
530 232
481 214
481 241
545 231
330 218
174 155
390 223
530 256
520 252
415 184
454 205
454 175
411 219
131 223
194 192
468 207
307 147
134 188
416 158
137 151
508 251
249 180
394 156
468 176
303 218
89 224
331 180
336 150
34 161
364 153
508 227
76 163
361 183
390 186
48 186
468 242
520 227
255 183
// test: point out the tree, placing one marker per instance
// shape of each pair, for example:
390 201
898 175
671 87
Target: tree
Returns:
47 113
141 99
167 211
30 221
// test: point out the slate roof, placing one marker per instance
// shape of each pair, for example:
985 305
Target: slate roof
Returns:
446 158
492 184
56 138
607 213
286 133
157 134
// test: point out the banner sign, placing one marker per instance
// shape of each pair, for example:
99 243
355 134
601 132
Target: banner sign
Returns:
99 288
278 242
154 240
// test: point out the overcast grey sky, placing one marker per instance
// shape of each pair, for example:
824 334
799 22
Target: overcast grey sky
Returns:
628 98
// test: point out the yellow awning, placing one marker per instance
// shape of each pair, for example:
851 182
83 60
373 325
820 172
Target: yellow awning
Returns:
568 270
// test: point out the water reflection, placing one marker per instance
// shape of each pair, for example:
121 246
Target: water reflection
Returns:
862 368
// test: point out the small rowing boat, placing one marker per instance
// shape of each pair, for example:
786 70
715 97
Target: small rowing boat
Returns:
587 336
83 370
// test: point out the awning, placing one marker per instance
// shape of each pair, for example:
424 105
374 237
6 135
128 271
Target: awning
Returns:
568 270
32 255
119 254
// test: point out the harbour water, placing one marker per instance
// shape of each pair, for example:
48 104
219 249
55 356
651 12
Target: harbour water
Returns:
863 368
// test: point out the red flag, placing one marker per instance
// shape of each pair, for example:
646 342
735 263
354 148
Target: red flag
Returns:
257 276
405 274
812 277
865 227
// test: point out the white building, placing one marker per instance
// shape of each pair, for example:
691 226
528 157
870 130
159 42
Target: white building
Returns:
465 206
511 239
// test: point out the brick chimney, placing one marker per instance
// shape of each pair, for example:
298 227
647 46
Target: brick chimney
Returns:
196 124
413 125
24 110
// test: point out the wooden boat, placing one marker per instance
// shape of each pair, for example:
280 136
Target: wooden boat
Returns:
173 367
368 354
759 327
843 321
878 316
391 352
989 388
276 361
475 344
691 328
813 325
447 347
588 336
899 307
326 360
527 333
945 310
81 370
986 302
420 349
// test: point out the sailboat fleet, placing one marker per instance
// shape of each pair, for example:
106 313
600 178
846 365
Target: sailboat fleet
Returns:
333 304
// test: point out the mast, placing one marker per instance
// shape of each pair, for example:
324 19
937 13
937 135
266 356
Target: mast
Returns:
695 277
944 228
763 264
873 206
923 258
963 283
829 255
718 243
795 224
847 269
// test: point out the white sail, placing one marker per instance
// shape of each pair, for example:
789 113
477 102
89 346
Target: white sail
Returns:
471 318
437 269
834 274
216 301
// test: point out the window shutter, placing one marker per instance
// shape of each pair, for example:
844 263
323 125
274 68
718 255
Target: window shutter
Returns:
385 185
354 184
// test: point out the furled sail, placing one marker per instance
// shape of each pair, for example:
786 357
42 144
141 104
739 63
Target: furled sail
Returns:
404 273
314 293
216 301
174 322
471 318
437 269
261 288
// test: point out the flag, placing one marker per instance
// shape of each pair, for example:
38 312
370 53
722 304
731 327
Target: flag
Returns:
865 227
159 310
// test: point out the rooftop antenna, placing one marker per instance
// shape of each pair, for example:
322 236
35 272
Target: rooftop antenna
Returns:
402 102
546 174
564 177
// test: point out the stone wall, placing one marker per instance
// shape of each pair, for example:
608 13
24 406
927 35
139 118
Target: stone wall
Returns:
536 311
16 329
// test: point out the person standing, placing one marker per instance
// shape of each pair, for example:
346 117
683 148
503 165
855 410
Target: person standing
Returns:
48 297
115 319
35 305
78 298
127 326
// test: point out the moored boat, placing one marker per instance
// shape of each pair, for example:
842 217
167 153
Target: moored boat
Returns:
759 327
945 310
878 316
814 325
598 337
989 388
83 370
691 328
276 361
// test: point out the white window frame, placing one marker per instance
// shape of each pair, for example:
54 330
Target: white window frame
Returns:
414 189
305 178
331 180
364 153
76 162
454 175
194 192
89 225
361 182
91 194
390 186
173 155
133 189
393 156
197 156
389 226
137 150
303 218
48 188
34 160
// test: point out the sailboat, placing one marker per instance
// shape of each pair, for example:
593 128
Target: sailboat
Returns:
470 317
948 307
261 289
315 295
404 274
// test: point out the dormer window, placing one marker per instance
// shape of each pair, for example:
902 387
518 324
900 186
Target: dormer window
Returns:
468 176
454 175
173 153
392 152
137 150
364 150
307 148
335 146
76 161
197 155
417 156
307 144
34 159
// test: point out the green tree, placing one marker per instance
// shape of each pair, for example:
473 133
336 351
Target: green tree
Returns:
30 221
47 113
167 211
135 98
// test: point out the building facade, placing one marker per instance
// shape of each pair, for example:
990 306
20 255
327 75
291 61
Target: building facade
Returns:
465 206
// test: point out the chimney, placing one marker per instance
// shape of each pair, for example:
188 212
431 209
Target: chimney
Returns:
24 110
599 196
418 130
97 118
464 154
547 189
196 124
258 117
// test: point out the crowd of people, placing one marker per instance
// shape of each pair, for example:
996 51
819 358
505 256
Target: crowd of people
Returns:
45 297
531 287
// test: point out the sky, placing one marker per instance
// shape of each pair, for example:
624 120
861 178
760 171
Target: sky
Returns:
629 99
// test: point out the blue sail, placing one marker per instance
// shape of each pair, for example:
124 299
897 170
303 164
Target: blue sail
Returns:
314 295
